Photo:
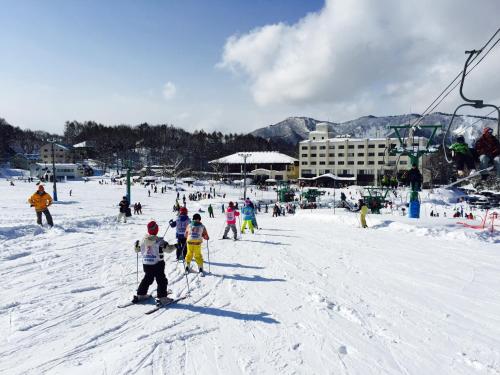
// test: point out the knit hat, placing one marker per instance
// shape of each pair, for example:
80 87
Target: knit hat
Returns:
196 217
153 228
460 139
183 211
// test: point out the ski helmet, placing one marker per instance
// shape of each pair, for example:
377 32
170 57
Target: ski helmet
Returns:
460 139
153 228
197 217
183 211
231 204
487 130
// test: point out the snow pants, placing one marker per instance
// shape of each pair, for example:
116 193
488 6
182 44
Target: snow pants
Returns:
181 249
152 272
245 223
194 249
48 217
363 221
485 161
233 228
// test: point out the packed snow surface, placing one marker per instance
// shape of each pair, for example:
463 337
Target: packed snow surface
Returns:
310 293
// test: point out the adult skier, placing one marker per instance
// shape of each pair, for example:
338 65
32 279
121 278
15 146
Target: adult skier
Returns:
248 214
41 200
488 149
195 233
231 214
463 156
180 224
210 211
152 248
124 207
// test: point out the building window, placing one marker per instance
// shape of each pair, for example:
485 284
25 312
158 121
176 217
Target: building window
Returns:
322 147
381 154
313 155
331 155
371 162
361 162
361 146
341 147
361 154
304 147
350 162
403 162
331 162
340 162
381 146
304 155
313 147
371 154
313 163
331 147
350 146
340 155
371 146
321 163
304 163
350 154
380 162
322 155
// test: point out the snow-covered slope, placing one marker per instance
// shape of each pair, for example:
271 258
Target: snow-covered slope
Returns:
306 294
295 129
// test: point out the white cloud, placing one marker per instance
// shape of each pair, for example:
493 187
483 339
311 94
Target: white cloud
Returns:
387 55
169 90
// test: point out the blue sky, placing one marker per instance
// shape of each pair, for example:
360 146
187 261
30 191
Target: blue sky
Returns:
226 65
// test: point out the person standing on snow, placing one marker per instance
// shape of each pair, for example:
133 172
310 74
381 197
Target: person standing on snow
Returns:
210 211
152 248
363 211
195 233
254 219
248 214
180 224
124 207
41 200
231 214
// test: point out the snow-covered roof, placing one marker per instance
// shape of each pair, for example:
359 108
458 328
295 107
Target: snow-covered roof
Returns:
257 157
329 175
83 144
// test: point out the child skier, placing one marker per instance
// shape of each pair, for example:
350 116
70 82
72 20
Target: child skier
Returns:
152 248
462 156
231 214
195 233
248 215
363 211
180 224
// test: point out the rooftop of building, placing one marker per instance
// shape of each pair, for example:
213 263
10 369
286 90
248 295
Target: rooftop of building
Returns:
256 157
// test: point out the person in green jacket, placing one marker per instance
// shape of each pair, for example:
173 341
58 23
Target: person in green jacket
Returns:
363 211
462 156
210 211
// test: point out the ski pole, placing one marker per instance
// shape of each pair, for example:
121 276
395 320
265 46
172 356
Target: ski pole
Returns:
208 249
164 234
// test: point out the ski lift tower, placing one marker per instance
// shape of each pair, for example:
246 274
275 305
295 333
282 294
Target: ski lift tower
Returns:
407 147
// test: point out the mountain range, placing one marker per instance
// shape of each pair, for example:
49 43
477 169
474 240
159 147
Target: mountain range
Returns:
296 129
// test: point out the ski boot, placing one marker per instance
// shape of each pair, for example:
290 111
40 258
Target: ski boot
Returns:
140 297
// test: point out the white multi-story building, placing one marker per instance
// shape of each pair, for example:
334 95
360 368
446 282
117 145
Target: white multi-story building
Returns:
363 158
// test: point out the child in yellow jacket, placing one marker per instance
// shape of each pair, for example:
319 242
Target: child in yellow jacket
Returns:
195 233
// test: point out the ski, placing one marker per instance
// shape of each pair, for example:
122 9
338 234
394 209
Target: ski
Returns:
478 173
134 303
165 305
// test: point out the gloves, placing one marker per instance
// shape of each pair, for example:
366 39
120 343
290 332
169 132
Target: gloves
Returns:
171 221
137 248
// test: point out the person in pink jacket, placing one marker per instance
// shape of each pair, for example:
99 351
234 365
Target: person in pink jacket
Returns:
231 214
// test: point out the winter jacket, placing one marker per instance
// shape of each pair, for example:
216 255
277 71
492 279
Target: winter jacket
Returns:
210 209
414 175
123 205
152 248
40 201
364 210
248 213
460 148
180 225
231 215
488 145
196 232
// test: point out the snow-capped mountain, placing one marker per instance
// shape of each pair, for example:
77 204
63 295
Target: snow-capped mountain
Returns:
295 129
